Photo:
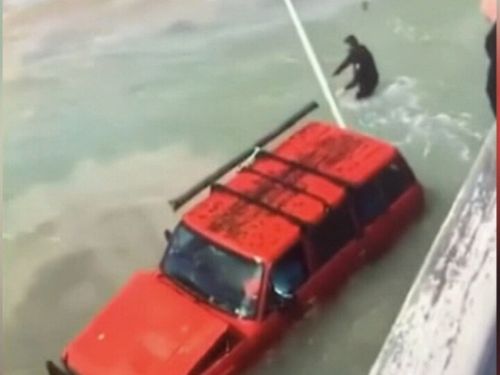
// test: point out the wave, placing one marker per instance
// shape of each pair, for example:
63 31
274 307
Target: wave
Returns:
397 112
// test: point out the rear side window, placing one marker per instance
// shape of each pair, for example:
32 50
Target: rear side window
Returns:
373 198
290 272
369 202
287 275
395 179
333 233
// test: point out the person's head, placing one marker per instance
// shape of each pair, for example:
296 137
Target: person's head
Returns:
351 40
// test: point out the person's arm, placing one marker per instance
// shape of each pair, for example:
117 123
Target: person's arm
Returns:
352 84
343 65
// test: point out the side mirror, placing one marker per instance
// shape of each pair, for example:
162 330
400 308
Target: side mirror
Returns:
168 235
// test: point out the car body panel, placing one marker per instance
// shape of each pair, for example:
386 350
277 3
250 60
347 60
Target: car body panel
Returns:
148 328
155 326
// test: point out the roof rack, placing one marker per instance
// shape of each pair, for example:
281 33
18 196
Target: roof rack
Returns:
295 164
252 200
287 185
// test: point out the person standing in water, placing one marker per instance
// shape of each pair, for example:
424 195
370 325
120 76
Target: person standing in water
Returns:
491 86
365 70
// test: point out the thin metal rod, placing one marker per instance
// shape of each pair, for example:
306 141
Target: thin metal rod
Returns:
220 172
313 59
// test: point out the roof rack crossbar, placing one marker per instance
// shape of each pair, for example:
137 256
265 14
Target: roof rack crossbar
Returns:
252 200
287 185
295 164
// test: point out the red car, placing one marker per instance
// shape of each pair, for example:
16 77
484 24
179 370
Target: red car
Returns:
283 233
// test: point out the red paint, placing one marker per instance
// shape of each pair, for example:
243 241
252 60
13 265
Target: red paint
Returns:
146 329
153 326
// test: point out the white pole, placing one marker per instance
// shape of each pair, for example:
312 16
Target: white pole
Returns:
323 83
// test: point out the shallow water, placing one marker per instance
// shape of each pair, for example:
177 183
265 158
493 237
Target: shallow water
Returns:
111 108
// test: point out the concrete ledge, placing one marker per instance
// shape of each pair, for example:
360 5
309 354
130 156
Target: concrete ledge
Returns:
447 324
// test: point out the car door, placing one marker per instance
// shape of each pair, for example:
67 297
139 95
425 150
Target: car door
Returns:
384 206
336 249
290 275
372 213
402 191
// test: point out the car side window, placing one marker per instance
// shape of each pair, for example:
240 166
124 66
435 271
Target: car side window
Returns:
333 233
287 275
369 202
290 272
395 179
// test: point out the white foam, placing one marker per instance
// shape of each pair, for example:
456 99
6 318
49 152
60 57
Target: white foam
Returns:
396 109
409 32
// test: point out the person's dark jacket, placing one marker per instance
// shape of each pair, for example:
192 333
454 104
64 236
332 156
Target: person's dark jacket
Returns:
491 86
365 70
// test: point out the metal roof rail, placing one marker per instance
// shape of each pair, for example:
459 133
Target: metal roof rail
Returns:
253 200
335 179
287 185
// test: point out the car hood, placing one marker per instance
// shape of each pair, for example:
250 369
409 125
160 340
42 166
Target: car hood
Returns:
148 328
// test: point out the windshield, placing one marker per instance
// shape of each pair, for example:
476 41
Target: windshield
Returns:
224 279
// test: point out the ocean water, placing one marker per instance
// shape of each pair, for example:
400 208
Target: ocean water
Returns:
110 108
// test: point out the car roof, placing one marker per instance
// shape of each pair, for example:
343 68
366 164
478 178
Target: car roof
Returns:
259 212
347 155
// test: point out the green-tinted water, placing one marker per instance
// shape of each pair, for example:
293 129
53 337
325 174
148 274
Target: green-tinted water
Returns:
112 108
